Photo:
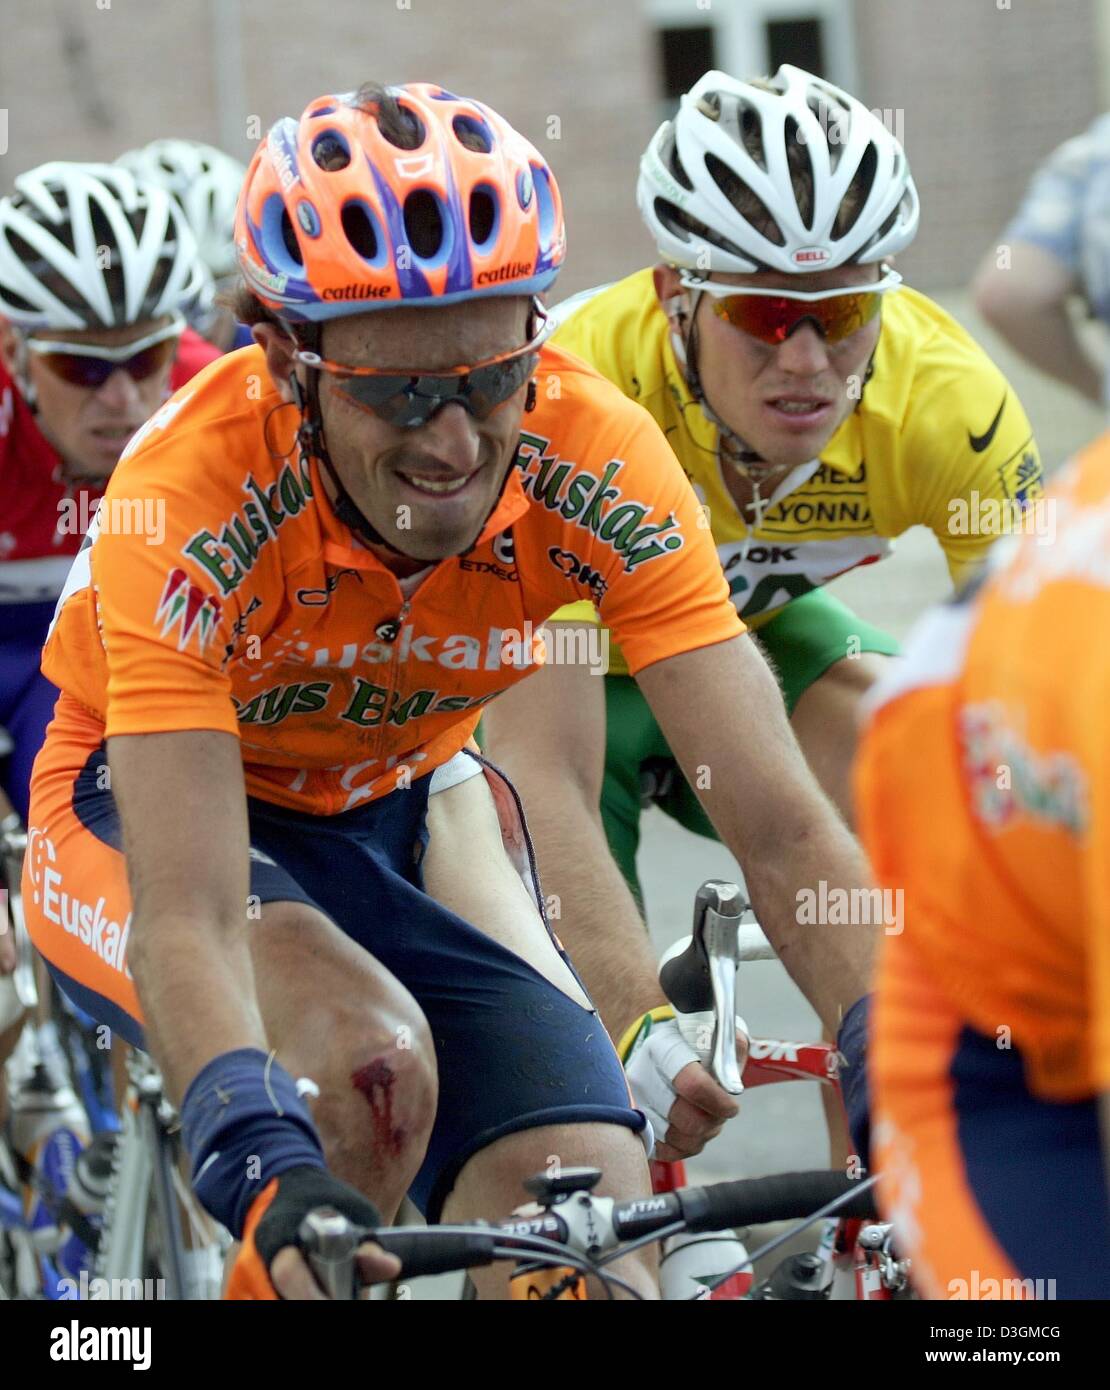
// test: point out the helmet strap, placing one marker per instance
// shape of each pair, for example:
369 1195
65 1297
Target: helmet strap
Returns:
740 452
868 374
310 438
22 374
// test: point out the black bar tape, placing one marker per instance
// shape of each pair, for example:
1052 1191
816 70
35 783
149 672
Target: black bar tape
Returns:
433 1252
784 1197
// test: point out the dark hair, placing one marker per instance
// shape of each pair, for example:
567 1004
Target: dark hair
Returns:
401 126
244 305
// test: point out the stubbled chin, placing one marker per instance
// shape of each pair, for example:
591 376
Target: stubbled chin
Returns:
425 540
786 446
790 450
96 466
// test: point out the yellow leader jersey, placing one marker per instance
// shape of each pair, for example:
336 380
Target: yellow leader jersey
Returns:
939 439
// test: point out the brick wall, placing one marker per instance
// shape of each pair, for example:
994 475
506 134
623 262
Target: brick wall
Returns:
147 68
985 92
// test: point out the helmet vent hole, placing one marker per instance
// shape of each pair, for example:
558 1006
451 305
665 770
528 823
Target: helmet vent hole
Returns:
33 260
750 124
473 134
483 215
834 118
423 224
16 301
801 170
684 226
744 200
331 152
289 239
402 127
888 224
359 230
671 162
545 204
709 104
858 193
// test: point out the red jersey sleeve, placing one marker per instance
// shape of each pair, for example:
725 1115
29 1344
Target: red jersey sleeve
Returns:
193 354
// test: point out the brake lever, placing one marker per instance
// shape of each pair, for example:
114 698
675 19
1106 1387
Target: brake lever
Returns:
703 976
329 1241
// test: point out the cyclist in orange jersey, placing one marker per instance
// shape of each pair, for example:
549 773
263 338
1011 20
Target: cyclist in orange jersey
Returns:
260 793
984 797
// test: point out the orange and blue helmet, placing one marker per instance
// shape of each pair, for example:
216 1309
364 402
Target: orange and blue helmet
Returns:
337 216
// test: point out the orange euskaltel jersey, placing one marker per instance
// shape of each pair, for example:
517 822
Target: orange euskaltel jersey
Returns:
249 608
984 793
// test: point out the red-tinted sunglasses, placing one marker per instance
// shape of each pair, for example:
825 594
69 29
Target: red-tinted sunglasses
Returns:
772 315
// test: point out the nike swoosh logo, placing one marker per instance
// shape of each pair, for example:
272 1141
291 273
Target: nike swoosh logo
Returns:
979 442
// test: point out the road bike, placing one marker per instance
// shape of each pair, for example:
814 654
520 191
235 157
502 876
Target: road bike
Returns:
152 1238
568 1234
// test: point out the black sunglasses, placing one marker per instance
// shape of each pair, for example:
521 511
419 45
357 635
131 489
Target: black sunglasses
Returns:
409 399
89 365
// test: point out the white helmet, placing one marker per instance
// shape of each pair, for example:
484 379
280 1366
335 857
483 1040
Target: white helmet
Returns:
206 182
695 162
88 246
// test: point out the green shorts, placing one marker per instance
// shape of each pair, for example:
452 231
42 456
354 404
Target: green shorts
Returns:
803 641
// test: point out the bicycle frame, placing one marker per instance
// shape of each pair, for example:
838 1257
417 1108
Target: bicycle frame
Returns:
28 1275
857 1269
145 1182
144 1178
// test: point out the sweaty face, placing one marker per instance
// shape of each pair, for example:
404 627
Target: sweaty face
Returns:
786 400
428 490
90 427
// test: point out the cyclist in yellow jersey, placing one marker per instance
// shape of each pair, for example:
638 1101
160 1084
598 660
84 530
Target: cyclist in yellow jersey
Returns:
819 409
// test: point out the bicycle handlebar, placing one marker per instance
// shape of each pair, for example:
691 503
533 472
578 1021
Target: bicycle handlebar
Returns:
580 1223
781 1197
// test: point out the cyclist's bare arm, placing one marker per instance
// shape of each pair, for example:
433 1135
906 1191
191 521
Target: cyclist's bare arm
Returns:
724 719
183 807
1028 303
548 733
720 709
